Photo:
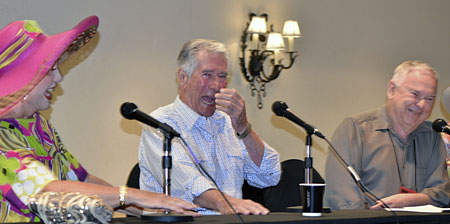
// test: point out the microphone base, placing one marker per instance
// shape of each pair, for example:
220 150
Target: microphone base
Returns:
171 217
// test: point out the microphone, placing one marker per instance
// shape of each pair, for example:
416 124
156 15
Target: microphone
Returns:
440 125
130 111
281 109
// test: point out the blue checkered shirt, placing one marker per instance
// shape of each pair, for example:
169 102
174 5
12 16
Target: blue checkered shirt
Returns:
214 143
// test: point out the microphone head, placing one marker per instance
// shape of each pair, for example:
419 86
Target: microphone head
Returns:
438 125
279 108
127 109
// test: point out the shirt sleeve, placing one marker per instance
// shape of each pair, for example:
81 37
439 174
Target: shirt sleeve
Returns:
268 173
186 180
70 167
437 185
341 191
21 177
446 139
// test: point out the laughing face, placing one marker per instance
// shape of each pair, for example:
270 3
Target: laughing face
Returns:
206 80
410 103
39 98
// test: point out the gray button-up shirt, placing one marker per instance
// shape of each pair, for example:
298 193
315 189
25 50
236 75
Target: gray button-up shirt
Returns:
384 162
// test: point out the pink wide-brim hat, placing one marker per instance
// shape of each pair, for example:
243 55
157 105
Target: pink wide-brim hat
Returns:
446 99
27 54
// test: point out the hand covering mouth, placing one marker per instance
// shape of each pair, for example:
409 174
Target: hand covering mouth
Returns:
208 100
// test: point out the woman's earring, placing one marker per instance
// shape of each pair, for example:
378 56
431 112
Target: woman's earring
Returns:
25 98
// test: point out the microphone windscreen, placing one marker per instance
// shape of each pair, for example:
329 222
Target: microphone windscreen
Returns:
127 109
279 108
438 125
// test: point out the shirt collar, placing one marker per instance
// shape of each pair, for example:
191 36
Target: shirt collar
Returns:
385 123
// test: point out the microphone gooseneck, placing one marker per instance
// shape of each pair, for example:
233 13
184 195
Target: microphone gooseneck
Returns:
203 171
357 179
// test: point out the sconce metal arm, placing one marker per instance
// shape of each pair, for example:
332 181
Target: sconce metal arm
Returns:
277 68
253 72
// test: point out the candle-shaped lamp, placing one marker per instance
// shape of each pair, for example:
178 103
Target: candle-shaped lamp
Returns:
291 31
257 26
275 43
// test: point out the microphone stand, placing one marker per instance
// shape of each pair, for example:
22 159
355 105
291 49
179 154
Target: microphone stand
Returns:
167 166
308 160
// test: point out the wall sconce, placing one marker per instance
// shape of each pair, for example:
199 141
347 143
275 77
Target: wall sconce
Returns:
260 49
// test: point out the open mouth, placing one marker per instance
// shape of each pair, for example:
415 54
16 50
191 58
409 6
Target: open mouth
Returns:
414 112
48 93
208 100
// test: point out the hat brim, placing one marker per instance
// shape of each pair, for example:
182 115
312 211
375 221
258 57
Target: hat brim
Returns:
35 64
446 99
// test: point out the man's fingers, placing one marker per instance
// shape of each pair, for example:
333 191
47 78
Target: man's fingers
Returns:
228 94
248 207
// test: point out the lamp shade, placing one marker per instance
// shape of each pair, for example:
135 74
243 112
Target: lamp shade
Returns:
257 25
291 29
275 42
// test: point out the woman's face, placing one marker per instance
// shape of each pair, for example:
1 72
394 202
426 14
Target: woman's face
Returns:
39 98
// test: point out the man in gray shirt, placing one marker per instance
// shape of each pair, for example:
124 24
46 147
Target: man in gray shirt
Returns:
393 149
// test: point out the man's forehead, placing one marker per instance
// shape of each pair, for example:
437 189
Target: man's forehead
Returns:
220 71
208 54
211 61
421 82
421 75
421 71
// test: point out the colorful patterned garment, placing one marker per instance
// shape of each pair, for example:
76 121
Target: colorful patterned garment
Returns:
31 156
446 139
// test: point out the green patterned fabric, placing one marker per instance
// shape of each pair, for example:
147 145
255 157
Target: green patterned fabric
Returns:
31 156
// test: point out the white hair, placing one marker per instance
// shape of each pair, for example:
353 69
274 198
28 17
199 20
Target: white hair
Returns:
407 67
187 58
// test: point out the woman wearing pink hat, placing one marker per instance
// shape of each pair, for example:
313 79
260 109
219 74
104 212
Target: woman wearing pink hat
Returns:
32 156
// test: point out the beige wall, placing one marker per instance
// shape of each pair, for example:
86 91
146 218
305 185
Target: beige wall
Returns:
347 53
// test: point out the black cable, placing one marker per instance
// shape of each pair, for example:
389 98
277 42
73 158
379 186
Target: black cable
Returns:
202 170
358 182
